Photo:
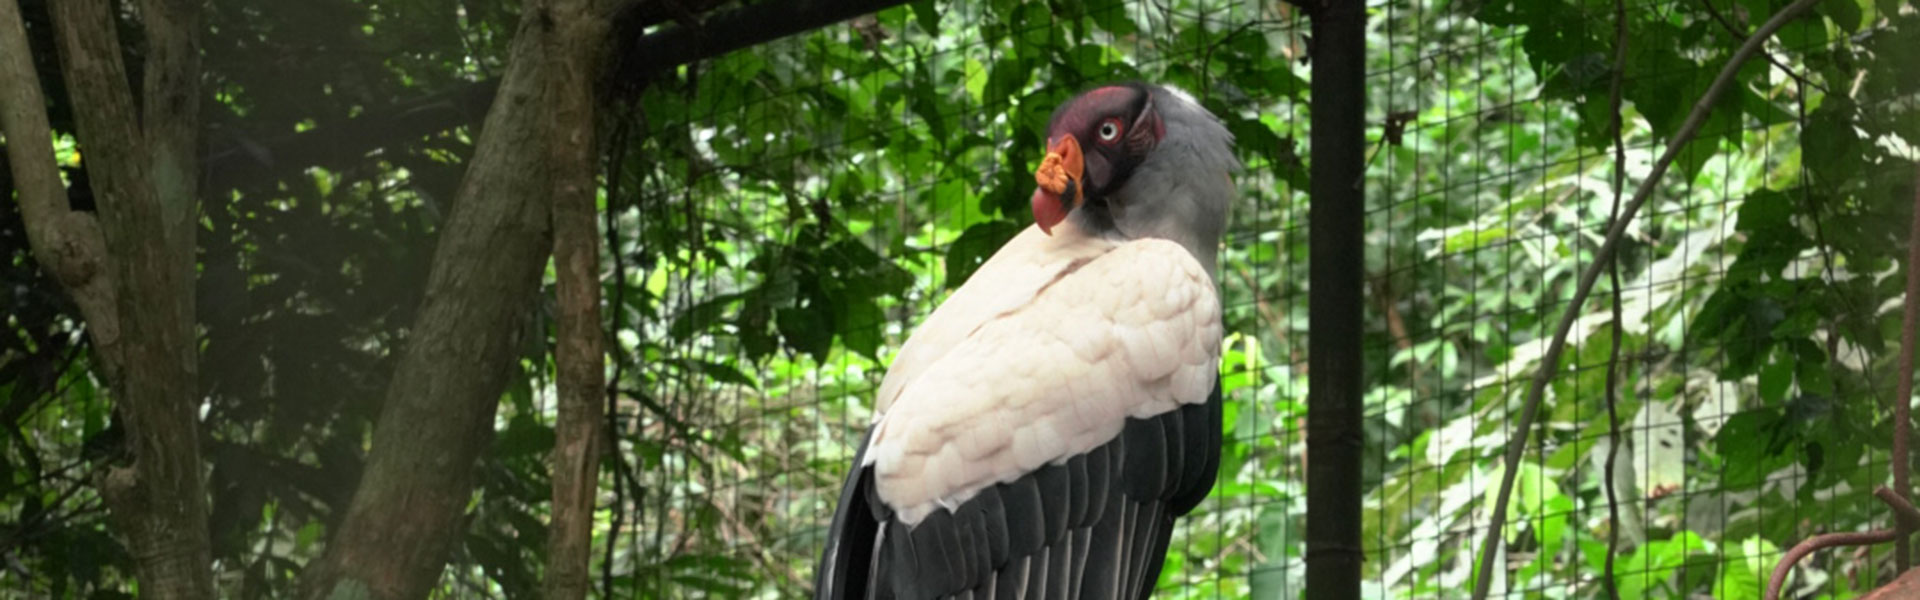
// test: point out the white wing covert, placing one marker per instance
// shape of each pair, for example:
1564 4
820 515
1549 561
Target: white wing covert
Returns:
1074 426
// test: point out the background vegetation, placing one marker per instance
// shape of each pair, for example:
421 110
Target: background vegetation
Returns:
776 221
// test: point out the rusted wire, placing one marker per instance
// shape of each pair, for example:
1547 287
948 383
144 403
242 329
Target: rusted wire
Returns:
1903 510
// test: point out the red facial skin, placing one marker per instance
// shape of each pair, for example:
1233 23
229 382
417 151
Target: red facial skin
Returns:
1122 126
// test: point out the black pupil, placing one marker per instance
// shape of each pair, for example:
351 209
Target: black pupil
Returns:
1106 130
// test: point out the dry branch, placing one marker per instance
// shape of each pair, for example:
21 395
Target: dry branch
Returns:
67 243
1602 258
574 54
1902 509
1903 391
1615 93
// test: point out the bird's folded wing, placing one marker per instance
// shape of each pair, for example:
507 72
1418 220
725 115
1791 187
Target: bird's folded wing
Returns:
1131 332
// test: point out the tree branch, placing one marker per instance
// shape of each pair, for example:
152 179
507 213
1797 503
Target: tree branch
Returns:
1550 361
68 243
170 121
745 27
159 502
1902 509
407 512
247 164
574 55
1903 390
1614 97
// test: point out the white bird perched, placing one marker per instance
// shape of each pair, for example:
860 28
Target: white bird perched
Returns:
1037 436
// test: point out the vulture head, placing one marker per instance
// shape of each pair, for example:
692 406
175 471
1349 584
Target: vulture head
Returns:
1137 160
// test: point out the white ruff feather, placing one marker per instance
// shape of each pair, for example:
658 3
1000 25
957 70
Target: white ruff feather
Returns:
1132 332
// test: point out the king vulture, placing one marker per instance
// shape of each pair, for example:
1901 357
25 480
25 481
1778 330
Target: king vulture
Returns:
1037 436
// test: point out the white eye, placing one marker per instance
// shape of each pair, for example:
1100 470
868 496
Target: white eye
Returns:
1109 130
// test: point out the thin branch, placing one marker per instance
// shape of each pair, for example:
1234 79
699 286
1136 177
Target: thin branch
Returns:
580 342
1613 274
1549 362
1903 390
1897 501
1734 30
70 244
616 160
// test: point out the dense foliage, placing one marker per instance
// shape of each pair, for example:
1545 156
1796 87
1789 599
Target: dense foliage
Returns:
779 219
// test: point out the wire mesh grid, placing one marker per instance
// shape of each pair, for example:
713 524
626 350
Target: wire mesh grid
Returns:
1487 198
806 411
1484 219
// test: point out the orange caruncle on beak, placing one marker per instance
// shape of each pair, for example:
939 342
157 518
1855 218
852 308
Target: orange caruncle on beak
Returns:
1059 177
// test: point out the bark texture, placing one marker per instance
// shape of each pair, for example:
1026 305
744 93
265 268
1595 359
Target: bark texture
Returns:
128 271
438 417
67 243
170 111
574 60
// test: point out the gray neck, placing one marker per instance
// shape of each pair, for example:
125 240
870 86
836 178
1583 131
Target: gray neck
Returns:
1182 191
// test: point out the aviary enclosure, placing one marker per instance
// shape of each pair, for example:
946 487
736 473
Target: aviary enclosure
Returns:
1732 280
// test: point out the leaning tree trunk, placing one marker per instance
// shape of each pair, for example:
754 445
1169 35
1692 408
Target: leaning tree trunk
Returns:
130 270
408 511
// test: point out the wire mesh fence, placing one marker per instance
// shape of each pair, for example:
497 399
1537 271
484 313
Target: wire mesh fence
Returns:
912 193
780 219
795 210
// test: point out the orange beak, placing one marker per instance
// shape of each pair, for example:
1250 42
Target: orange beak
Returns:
1059 178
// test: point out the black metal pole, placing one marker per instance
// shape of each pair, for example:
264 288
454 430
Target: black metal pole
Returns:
1337 211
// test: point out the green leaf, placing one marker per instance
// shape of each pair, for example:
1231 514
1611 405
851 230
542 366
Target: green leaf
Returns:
1113 16
808 329
862 324
309 533
1751 446
524 437
1007 79
928 15
976 80
1806 34
1832 148
1654 563
1743 575
925 101
1775 378
719 372
702 316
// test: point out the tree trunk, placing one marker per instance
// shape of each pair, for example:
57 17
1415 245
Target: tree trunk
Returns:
574 61
131 270
438 416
